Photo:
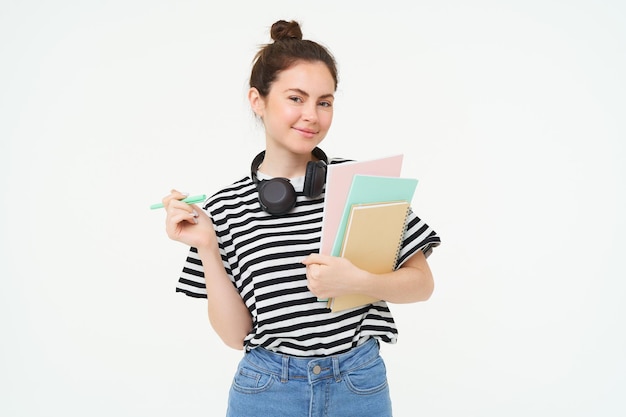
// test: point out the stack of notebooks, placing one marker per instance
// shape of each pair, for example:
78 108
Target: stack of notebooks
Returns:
364 218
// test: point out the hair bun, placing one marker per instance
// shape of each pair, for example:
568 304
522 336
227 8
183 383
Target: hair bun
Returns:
282 30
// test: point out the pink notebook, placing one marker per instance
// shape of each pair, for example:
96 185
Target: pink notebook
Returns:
338 182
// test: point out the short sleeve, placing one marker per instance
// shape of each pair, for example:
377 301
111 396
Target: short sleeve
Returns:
417 236
191 280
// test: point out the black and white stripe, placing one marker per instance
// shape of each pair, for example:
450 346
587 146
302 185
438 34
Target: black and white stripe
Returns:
262 255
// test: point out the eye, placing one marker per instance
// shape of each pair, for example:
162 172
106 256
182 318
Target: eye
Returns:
326 103
296 99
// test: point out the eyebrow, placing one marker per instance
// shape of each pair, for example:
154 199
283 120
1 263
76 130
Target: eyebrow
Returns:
304 93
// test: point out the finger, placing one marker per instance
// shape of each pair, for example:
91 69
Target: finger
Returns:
178 224
177 213
183 216
173 195
195 208
316 258
309 260
313 271
175 204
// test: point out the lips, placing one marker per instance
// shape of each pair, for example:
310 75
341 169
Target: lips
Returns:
306 132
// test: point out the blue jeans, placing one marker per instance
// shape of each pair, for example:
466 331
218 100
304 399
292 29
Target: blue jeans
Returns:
270 384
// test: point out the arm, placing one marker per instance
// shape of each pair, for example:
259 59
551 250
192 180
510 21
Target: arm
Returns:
330 276
228 313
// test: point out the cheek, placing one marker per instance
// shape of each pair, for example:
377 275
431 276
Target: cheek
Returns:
325 120
286 115
276 121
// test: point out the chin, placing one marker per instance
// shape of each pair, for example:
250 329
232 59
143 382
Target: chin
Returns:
300 146
307 147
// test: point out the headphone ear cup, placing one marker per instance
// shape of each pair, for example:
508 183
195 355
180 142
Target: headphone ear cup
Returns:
315 178
276 196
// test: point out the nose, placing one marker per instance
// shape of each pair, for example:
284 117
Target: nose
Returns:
309 112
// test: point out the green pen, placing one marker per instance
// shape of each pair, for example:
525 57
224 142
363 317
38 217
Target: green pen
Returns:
189 200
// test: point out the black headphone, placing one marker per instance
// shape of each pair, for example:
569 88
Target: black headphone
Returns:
277 196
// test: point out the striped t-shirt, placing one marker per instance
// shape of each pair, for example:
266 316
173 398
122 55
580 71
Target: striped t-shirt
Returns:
263 254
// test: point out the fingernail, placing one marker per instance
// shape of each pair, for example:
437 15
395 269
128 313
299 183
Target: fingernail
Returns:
195 213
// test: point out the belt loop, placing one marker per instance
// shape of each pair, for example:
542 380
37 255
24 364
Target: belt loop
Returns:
336 371
284 377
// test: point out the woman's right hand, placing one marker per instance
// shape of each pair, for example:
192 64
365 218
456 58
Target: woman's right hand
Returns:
186 223
190 225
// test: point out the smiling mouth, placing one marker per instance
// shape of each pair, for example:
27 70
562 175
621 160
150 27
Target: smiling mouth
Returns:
307 132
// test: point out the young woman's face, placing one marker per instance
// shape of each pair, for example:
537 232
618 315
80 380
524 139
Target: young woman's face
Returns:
298 110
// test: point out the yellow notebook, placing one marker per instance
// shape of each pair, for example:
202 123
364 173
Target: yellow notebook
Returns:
372 242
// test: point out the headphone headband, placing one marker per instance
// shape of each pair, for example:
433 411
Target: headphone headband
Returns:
277 196
258 160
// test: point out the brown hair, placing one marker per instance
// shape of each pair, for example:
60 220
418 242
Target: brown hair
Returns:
287 49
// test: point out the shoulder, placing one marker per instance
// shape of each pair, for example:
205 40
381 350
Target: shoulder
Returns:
233 192
233 188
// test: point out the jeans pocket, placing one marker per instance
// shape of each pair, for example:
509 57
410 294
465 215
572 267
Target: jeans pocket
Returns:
251 381
369 379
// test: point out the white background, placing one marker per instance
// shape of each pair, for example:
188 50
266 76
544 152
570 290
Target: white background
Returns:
510 114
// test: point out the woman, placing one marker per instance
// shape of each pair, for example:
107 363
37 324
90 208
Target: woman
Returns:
257 243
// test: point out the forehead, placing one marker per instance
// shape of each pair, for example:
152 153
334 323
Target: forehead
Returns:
313 77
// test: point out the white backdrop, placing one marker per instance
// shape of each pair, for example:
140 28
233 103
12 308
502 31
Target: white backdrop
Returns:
510 113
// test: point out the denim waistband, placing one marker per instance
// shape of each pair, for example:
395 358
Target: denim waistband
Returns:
288 367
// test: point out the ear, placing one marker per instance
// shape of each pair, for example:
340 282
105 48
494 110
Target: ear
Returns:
256 101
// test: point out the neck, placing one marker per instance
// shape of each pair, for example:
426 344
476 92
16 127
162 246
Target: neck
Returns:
285 164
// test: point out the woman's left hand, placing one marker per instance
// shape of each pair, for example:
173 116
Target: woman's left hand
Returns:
331 276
